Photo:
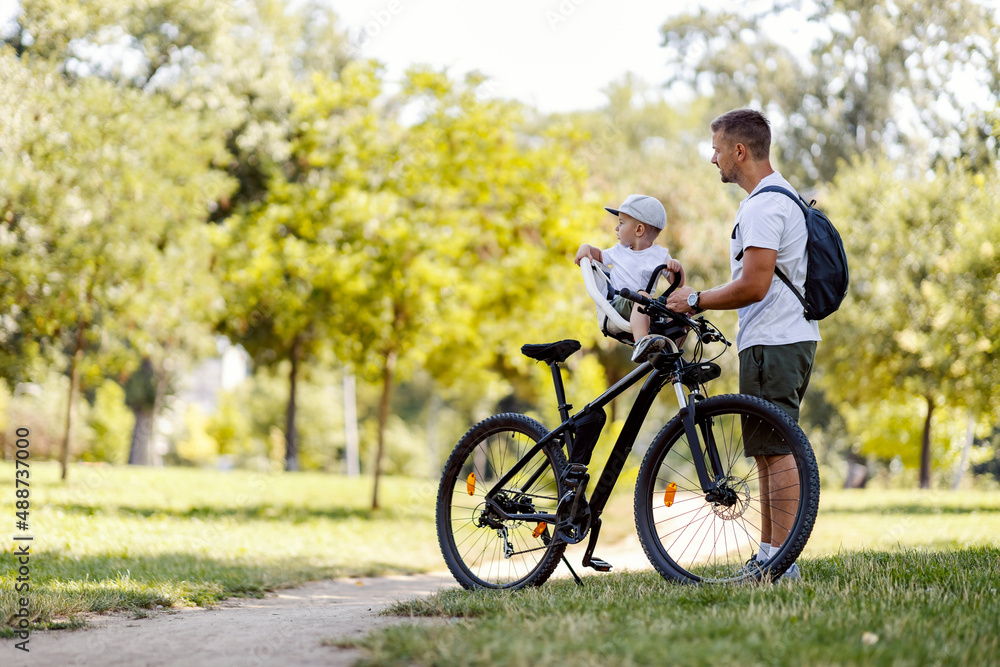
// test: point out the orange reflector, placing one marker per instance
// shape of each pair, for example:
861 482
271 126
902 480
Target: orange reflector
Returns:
538 529
668 495
470 483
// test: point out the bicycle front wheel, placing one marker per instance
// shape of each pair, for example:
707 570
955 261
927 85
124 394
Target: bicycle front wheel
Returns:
693 536
481 548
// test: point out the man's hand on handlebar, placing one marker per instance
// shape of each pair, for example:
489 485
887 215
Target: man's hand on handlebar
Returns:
677 301
706 331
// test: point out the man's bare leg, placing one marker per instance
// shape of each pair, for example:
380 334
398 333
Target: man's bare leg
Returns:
765 501
782 490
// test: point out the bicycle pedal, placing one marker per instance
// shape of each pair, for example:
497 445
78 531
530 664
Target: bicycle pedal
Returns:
599 565
575 473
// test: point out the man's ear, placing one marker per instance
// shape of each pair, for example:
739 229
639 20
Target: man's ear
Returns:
741 152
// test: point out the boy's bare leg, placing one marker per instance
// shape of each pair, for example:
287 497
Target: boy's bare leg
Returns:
639 321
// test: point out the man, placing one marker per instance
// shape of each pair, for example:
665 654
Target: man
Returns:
776 343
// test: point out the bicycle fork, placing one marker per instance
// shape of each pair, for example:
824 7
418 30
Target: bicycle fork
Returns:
709 483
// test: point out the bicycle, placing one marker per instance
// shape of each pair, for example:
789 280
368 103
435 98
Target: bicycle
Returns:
513 494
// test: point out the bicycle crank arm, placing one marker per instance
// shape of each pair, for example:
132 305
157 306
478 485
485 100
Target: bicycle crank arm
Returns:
588 555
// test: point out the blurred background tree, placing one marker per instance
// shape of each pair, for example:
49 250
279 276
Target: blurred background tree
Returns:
909 76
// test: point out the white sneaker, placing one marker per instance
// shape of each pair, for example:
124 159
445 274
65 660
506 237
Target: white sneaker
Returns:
648 345
753 568
791 574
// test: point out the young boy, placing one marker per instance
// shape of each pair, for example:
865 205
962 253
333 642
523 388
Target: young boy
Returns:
632 261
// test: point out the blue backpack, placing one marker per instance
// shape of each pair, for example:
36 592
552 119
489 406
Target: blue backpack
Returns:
827 275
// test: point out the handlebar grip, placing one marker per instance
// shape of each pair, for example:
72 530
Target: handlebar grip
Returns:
633 296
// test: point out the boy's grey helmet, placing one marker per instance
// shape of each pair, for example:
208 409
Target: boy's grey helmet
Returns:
643 208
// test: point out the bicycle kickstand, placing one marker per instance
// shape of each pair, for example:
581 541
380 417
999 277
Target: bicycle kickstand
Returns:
579 582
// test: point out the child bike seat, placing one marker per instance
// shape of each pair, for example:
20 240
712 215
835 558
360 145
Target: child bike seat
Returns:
551 352
595 277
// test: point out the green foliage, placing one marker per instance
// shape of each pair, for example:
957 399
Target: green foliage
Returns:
890 74
228 427
110 424
195 446
920 321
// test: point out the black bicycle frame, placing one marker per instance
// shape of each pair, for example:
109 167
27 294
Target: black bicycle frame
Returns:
626 439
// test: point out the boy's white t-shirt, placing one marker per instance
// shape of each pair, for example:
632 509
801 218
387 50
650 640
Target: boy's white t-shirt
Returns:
772 220
633 269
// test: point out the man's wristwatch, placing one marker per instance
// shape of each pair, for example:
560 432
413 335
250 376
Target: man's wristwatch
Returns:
693 300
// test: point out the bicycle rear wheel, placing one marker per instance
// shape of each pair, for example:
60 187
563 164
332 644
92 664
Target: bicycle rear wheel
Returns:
692 536
482 549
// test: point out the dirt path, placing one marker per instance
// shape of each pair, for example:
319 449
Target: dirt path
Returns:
285 629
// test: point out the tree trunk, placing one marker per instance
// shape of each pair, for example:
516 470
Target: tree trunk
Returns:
857 472
925 448
291 442
74 389
155 457
351 457
144 392
388 373
139 451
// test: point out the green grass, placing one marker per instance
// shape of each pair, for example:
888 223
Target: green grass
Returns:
915 568
138 538
901 577
906 607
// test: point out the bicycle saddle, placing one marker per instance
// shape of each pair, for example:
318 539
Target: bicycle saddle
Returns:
551 352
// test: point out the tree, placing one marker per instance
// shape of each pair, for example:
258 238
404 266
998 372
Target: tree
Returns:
283 262
105 174
229 67
895 74
173 314
415 235
478 253
921 319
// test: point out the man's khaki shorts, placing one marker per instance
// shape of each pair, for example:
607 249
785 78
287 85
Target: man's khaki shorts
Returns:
779 374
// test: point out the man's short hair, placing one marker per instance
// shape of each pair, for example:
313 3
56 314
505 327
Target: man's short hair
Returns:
747 127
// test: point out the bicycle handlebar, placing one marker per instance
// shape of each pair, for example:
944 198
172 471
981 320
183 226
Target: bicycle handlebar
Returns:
705 331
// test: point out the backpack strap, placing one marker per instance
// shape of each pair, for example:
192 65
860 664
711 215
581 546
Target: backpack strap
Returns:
805 212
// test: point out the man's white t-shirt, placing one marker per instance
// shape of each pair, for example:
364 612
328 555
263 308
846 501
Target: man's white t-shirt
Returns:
772 220
632 268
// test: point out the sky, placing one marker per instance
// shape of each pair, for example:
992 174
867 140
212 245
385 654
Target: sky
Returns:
556 55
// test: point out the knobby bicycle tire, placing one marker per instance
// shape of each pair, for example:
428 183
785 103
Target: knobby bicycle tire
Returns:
691 538
473 541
